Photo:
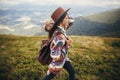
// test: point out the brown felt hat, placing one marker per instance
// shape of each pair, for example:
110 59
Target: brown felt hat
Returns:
58 15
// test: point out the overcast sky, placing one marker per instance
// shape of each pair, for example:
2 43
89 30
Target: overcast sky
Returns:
64 2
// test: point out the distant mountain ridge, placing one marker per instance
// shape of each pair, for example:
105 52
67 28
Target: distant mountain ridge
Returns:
101 24
29 21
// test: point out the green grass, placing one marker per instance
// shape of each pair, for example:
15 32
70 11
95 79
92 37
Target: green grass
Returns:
109 17
94 58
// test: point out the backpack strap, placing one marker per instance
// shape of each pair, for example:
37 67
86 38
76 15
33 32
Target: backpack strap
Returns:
54 34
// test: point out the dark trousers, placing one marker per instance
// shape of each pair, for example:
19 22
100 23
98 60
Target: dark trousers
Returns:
68 67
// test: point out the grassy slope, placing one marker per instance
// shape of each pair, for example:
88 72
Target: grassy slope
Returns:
108 17
94 58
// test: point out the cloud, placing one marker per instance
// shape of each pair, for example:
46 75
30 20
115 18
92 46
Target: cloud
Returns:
88 2
9 2
7 28
24 19
4 9
30 26
37 13
64 2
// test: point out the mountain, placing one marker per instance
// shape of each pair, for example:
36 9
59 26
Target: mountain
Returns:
101 24
28 19
25 20
4 31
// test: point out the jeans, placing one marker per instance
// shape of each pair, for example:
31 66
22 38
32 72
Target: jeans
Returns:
68 67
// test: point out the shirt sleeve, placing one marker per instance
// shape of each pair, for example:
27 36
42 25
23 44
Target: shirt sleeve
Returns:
56 46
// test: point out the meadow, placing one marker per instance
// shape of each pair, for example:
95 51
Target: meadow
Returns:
94 58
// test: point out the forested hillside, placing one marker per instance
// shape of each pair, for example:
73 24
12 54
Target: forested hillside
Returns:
101 24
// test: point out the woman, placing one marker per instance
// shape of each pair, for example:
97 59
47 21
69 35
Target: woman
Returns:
59 45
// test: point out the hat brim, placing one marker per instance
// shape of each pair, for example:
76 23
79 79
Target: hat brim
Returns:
57 21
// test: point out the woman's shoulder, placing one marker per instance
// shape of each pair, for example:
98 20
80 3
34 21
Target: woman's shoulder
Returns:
59 34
